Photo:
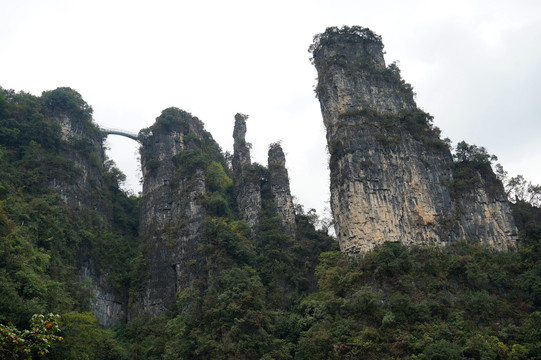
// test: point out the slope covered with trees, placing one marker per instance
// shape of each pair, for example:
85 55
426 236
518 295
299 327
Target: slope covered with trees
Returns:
42 239
257 295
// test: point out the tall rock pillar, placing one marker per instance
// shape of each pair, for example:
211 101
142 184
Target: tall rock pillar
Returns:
245 181
391 174
279 184
172 212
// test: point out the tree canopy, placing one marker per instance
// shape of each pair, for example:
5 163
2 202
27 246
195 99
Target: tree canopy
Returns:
346 34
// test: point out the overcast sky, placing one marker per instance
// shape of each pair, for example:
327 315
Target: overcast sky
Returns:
475 66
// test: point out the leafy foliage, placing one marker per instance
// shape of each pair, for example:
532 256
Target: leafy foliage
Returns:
420 303
518 189
353 34
85 339
19 344
465 152
170 119
201 149
472 166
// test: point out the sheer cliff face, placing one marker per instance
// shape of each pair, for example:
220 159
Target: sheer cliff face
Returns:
86 151
279 184
390 172
247 187
172 212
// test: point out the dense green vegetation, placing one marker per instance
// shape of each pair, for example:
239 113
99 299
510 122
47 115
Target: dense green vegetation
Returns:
42 238
265 299
262 296
36 340
472 165
347 34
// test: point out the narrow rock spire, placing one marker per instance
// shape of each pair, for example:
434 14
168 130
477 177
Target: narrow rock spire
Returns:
279 184
247 188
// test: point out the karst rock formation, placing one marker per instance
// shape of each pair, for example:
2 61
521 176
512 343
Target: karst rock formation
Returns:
392 178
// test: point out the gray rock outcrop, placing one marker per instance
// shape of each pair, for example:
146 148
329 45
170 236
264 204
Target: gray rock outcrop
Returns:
86 151
484 213
279 184
391 175
245 180
172 211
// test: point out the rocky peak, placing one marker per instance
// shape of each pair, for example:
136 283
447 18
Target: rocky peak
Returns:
353 77
246 185
241 155
279 184
391 174
276 156
172 211
239 130
353 46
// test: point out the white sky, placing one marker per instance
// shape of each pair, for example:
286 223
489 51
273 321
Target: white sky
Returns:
475 66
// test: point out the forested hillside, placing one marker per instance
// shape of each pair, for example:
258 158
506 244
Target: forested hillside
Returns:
43 239
256 295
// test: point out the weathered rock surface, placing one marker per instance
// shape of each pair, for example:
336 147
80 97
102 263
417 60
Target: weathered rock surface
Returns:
246 185
86 151
485 214
88 155
172 212
391 175
108 306
279 184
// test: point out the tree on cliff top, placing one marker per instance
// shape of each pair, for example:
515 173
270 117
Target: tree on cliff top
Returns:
465 152
346 34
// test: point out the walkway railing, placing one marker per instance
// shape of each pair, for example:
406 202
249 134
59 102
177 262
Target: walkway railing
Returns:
120 132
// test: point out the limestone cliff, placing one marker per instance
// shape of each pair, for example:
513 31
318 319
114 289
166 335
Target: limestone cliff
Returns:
87 154
279 184
83 147
172 210
391 175
246 185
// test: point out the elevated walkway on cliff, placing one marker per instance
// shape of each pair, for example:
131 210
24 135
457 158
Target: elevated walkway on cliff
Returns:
121 132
